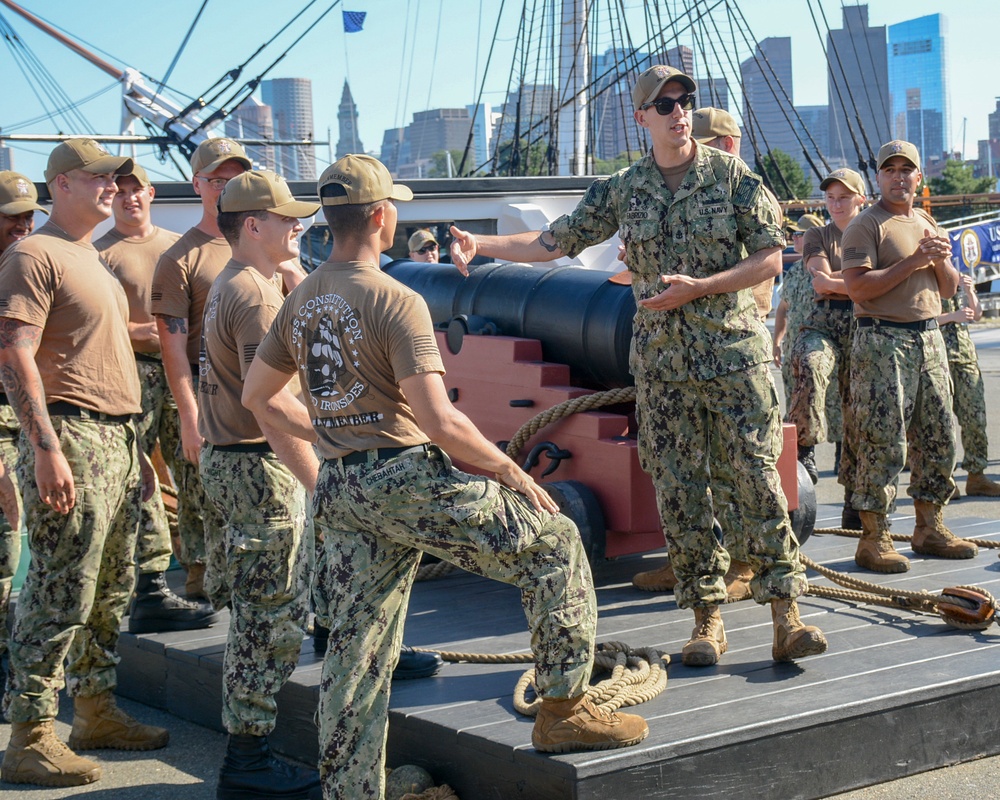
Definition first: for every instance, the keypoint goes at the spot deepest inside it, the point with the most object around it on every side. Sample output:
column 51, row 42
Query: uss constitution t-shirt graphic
column 353, row 333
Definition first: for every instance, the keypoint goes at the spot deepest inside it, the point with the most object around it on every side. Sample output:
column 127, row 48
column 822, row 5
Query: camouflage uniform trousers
column 82, row 570
column 901, row 399
column 375, row 519
column 158, row 422
column 269, row 559
column 970, row 395
column 196, row 515
column 10, row 539
column 677, row 421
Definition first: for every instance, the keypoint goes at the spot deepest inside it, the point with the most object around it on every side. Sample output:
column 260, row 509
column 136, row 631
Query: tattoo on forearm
column 550, row 245
column 32, row 414
column 175, row 324
column 17, row 334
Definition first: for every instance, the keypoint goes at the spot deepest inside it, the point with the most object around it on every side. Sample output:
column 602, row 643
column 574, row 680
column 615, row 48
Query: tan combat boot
column 932, row 538
column 564, row 726
column 194, row 586
column 875, row 550
column 98, row 724
column 661, row 579
column 738, row 581
column 36, row 755
column 978, row 485
column 792, row 639
column 708, row 639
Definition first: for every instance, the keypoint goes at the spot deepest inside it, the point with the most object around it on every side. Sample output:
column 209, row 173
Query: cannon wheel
column 803, row 518
column 580, row 504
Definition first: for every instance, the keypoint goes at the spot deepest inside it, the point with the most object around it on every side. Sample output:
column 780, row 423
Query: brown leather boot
column 875, row 550
column 978, row 485
column 564, row 726
column 36, row 755
column 194, row 586
column 932, row 538
column 792, row 639
column 708, row 639
column 98, row 724
column 738, row 581
column 661, row 579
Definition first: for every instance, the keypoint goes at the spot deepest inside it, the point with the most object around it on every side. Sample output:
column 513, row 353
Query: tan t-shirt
column 353, row 333
column 133, row 261
column 62, row 286
column 878, row 239
column 241, row 306
column 826, row 242
column 183, row 276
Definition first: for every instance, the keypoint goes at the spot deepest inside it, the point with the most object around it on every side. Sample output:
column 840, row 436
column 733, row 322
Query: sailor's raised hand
column 463, row 249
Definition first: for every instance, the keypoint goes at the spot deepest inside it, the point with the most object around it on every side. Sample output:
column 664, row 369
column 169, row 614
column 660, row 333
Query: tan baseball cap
column 805, row 222
column 263, row 190
column 138, row 173
column 420, row 238
column 711, row 123
column 17, row 194
column 649, row 84
column 898, row 147
column 213, row 153
column 851, row 179
column 85, row 154
column 365, row 180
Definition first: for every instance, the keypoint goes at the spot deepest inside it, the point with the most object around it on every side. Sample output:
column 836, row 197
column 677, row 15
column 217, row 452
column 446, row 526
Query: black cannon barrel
column 581, row 318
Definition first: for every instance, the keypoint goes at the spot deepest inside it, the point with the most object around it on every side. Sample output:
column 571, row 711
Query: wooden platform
column 896, row 693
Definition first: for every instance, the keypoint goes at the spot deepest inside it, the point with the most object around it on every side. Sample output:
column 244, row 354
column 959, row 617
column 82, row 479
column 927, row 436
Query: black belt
column 245, row 447
column 147, row 357
column 195, row 370
column 919, row 325
column 382, row 453
column 63, row 409
column 843, row 305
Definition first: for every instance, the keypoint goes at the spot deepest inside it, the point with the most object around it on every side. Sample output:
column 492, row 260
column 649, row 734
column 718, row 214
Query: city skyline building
column 253, row 120
column 291, row 105
column 918, row 84
column 858, row 88
column 348, row 140
column 6, row 157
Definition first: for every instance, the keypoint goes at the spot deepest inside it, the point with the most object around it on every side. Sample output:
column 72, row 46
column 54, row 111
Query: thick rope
column 900, row 537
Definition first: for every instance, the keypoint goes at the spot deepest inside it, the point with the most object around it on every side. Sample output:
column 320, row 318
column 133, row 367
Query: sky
column 411, row 55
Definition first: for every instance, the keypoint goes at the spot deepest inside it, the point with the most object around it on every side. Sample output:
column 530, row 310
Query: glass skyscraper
column 918, row 84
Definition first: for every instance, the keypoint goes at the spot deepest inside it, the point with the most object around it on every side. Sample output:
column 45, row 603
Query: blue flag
column 353, row 20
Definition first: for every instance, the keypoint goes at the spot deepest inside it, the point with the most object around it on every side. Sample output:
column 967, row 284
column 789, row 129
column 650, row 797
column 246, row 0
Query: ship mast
column 574, row 73
column 139, row 100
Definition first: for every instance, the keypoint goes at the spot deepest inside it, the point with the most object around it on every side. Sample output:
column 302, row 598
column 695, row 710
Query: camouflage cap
column 420, row 238
column 652, row 81
column 263, row 190
column 17, row 194
column 898, row 147
column 851, row 179
column 711, row 123
column 213, row 153
column 85, row 154
column 364, row 180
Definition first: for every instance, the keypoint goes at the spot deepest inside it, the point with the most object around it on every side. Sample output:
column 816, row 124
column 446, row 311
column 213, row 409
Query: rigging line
column 871, row 61
column 165, row 153
column 843, row 79
column 538, row 78
column 630, row 126
column 862, row 162
column 409, row 73
column 41, row 118
column 479, row 97
column 396, row 121
column 437, row 41
column 180, row 50
column 754, row 122
column 28, row 62
column 861, row 69
column 251, row 86
column 788, row 100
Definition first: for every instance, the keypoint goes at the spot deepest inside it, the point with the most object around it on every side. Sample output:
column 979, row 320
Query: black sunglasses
column 427, row 248
column 665, row 105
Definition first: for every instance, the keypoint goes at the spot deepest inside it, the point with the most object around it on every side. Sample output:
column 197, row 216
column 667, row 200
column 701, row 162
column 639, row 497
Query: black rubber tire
column 580, row 504
column 803, row 518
